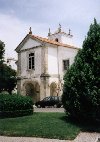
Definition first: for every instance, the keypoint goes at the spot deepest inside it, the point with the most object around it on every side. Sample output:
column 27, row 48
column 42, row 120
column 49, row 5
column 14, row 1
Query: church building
column 42, row 63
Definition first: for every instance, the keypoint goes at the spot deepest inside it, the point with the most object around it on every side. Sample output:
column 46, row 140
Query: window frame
column 31, row 61
column 65, row 68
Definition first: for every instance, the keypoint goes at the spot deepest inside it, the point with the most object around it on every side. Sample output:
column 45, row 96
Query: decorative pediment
column 28, row 43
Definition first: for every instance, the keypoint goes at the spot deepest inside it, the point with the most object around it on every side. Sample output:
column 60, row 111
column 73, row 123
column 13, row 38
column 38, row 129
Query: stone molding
column 45, row 75
column 31, row 48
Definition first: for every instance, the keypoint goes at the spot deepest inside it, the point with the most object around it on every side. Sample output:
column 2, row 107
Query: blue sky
column 16, row 16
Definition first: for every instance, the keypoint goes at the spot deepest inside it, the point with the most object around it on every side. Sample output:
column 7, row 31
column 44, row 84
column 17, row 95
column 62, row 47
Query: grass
column 47, row 125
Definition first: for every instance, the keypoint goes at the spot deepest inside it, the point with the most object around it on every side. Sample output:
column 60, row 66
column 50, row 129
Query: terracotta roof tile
column 46, row 41
column 53, row 42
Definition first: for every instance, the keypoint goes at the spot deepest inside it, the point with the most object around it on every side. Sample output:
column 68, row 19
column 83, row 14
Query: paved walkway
column 49, row 109
column 28, row 139
column 82, row 137
column 87, row 137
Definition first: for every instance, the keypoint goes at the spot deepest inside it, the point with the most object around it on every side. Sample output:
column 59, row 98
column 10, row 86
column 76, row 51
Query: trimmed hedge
column 15, row 105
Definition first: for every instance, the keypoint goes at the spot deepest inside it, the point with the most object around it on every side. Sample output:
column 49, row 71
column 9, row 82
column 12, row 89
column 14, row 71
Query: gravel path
column 82, row 137
column 28, row 139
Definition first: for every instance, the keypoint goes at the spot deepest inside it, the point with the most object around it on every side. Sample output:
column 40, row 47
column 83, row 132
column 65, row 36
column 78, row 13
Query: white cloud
column 12, row 31
column 42, row 14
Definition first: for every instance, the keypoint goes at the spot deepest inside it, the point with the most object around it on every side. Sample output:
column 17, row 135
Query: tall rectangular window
column 31, row 61
column 65, row 64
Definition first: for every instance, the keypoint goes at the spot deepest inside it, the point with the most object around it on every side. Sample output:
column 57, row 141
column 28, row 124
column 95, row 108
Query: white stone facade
column 47, row 76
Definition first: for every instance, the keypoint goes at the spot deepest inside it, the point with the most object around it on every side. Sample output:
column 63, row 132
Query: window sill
column 29, row 70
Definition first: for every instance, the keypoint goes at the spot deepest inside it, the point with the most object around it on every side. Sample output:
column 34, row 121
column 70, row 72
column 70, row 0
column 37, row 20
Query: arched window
column 56, row 39
column 53, row 89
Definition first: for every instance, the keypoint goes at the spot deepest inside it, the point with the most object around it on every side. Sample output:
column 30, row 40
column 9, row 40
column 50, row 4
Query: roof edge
column 45, row 40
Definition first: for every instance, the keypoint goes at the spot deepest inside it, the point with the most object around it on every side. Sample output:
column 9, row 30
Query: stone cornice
column 31, row 48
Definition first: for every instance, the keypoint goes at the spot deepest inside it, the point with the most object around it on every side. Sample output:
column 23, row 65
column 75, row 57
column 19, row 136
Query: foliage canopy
column 7, row 74
column 81, row 95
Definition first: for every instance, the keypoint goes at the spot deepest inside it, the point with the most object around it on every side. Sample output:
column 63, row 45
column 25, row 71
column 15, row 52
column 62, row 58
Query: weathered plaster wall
column 24, row 63
column 30, row 43
column 52, row 60
column 62, row 37
column 48, row 60
column 56, row 55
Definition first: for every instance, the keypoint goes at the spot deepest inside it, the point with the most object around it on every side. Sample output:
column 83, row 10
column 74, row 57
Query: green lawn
column 48, row 125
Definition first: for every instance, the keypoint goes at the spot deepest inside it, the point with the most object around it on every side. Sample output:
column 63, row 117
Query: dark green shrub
column 81, row 95
column 15, row 105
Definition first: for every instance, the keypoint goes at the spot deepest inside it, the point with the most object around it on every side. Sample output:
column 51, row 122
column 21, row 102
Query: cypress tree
column 81, row 95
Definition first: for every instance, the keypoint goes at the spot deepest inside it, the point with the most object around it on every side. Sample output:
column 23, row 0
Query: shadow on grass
column 8, row 117
column 85, row 126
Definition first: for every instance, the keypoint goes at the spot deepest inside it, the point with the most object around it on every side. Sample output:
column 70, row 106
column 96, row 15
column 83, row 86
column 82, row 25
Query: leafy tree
column 1, row 62
column 81, row 95
column 1, row 52
column 7, row 74
column 8, row 79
